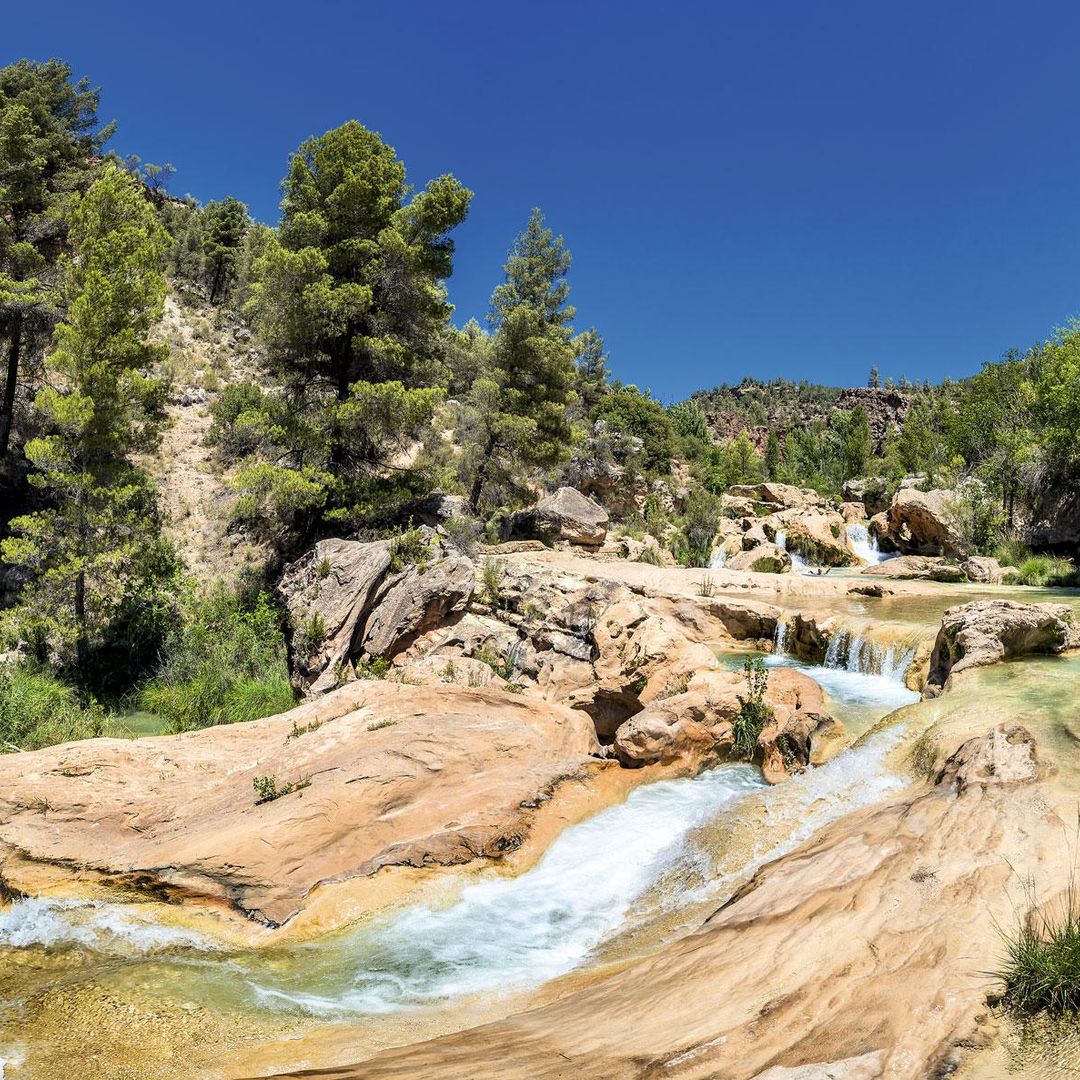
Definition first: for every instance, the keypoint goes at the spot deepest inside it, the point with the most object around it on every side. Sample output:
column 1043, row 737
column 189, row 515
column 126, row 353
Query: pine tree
column 520, row 410
column 49, row 137
column 875, row 379
column 772, row 456
column 858, row 443
column 226, row 222
column 350, row 303
column 94, row 543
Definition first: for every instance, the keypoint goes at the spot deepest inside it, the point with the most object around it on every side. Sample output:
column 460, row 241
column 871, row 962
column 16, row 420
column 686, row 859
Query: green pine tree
column 95, row 543
column 520, row 409
column 350, row 303
column 49, row 139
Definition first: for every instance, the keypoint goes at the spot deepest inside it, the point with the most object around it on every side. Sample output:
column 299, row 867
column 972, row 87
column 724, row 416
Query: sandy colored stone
column 399, row 775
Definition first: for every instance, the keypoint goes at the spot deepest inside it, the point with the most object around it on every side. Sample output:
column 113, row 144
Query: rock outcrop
column 344, row 600
column 566, row 515
column 327, row 594
column 695, row 726
column 923, row 523
column 821, row 538
column 900, row 875
column 385, row 774
column 917, row 568
column 988, row 631
column 763, row 558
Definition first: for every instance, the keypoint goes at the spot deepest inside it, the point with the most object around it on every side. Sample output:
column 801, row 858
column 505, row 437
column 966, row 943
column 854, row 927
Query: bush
column 753, row 713
column 1044, row 570
column 37, row 710
column 223, row 663
column 1041, row 967
column 410, row 548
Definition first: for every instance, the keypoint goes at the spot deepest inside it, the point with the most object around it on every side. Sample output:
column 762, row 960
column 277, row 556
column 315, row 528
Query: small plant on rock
column 268, row 789
column 705, row 586
column 409, row 548
column 491, row 580
column 753, row 713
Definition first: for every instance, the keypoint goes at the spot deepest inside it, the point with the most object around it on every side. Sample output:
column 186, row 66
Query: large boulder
column 420, row 599
column 985, row 570
column 988, row 631
column 871, row 492
column 776, row 496
column 327, row 594
column 763, row 559
column 820, row 537
column 917, row 568
column 565, row 515
column 383, row 774
column 923, row 523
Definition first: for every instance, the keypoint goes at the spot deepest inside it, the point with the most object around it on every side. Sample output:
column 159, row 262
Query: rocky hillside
column 779, row 405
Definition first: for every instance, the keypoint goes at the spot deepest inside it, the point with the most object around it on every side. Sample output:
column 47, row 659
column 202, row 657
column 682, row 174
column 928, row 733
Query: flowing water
column 615, row 886
column 866, row 545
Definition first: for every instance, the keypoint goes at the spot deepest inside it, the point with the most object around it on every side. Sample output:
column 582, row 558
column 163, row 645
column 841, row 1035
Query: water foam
column 522, row 931
column 104, row 927
column 866, row 546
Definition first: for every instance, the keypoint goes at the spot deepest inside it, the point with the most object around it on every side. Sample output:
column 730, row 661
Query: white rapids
column 866, row 545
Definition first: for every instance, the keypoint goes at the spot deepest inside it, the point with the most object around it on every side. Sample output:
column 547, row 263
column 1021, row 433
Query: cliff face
column 759, row 408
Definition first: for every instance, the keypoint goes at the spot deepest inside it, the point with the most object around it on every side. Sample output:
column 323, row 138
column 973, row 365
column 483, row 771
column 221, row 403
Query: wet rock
column 821, row 538
column 764, row 558
column 988, row 631
column 876, row 590
column 1006, row 755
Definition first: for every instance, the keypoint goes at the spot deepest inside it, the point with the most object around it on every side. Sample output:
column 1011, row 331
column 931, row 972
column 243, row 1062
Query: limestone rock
column 922, row 523
column 419, row 600
column 565, row 515
column 852, row 512
column 917, row 568
column 820, row 537
column 870, row 491
column 330, row 587
column 399, row 775
column 1004, row 756
column 765, row 558
column 987, row 631
column 984, row 570
column 778, row 495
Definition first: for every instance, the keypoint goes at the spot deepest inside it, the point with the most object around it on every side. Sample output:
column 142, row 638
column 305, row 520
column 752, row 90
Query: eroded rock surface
column 565, row 515
column 397, row 775
column 987, row 631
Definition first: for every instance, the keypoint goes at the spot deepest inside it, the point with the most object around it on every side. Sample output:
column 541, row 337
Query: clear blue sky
column 767, row 188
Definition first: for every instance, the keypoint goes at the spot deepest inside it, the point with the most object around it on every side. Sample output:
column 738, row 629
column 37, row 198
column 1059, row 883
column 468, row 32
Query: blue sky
column 770, row 188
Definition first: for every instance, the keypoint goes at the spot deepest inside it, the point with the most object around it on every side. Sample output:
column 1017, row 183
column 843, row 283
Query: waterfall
column 866, row 546
column 780, row 637
column 857, row 653
column 718, row 558
column 798, row 563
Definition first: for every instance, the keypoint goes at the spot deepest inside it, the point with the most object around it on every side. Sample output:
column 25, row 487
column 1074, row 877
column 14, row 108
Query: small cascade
column 798, row 563
column 849, row 651
column 866, row 545
column 780, row 638
column 718, row 558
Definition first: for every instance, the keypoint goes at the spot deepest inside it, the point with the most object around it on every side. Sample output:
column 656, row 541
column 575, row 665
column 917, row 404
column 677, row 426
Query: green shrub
column 1044, row 570
column 223, row 663
column 268, row 789
column 37, row 710
column 410, row 548
column 492, row 573
column 753, row 713
column 1041, row 966
column 1011, row 552
column 372, row 667
column 463, row 534
column 651, row 556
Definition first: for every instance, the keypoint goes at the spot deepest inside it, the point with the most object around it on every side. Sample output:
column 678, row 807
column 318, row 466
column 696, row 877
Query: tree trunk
column 481, row 473
column 82, row 644
column 7, row 411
